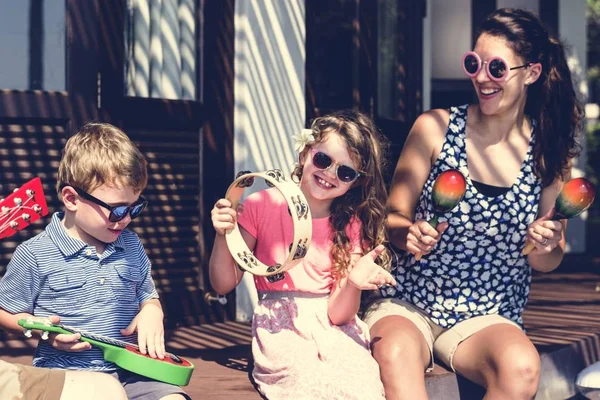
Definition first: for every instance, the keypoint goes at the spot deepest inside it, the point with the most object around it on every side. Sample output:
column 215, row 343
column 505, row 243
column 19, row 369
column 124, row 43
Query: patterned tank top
column 477, row 267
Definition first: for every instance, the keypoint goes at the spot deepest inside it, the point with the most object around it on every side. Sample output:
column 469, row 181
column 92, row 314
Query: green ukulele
column 172, row 369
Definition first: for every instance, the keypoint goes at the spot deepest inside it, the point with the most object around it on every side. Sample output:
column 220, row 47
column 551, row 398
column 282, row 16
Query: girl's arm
column 223, row 271
column 422, row 146
column 344, row 300
column 547, row 257
column 364, row 275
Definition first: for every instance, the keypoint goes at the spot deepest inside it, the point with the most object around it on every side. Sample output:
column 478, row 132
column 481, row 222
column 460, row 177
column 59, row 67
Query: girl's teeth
column 324, row 183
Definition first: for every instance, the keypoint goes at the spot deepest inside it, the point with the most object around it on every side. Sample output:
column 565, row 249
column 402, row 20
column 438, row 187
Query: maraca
column 448, row 190
column 575, row 197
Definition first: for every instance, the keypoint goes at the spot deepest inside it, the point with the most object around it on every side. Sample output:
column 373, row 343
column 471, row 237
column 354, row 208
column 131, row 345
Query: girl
column 307, row 341
column 463, row 300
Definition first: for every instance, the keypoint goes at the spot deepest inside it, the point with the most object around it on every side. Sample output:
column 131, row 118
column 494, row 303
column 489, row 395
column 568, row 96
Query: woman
column 462, row 301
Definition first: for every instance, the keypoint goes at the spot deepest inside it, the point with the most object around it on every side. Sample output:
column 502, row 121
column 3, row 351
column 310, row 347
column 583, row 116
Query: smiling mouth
column 323, row 182
column 488, row 91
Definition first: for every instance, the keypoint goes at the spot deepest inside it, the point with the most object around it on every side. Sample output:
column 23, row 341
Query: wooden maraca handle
column 433, row 221
column 528, row 247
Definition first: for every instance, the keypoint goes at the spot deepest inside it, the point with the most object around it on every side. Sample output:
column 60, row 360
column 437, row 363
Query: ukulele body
column 172, row 369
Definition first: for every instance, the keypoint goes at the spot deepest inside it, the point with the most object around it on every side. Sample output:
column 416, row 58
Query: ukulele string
column 108, row 340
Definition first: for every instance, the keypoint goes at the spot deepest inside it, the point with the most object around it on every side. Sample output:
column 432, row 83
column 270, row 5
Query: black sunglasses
column 117, row 213
column 344, row 173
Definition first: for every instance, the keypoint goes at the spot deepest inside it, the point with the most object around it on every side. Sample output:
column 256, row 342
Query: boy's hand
column 65, row 342
column 149, row 326
column 366, row 275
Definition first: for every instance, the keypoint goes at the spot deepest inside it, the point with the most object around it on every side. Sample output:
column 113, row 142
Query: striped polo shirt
column 56, row 274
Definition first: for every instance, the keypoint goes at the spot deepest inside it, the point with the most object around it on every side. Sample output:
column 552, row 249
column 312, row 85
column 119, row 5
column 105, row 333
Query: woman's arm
column 422, row 146
column 545, row 258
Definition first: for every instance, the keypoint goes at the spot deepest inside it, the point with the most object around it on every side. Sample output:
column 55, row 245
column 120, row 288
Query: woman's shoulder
column 432, row 122
column 429, row 130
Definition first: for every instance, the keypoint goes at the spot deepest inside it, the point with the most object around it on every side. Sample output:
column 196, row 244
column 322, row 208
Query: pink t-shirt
column 265, row 216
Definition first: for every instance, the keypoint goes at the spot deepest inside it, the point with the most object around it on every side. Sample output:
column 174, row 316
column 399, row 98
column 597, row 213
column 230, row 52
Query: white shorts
column 442, row 342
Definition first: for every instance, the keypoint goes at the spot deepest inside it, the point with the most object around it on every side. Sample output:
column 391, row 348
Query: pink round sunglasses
column 497, row 68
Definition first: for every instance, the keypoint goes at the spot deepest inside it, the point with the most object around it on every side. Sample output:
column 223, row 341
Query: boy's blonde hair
column 100, row 154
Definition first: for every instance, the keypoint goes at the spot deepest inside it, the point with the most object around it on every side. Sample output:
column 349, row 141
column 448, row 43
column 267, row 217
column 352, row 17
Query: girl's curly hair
column 366, row 198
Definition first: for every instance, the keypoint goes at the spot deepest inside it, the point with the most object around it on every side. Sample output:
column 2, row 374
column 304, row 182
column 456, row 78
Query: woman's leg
column 403, row 355
column 502, row 359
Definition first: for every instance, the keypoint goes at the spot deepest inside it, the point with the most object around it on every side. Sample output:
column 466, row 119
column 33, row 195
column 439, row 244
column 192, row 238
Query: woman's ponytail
column 552, row 101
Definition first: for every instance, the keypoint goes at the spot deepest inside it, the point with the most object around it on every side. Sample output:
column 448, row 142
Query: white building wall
column 531, row 5
column 427, row 57
column 269, row 96
column 450, row 36
column 573, row 33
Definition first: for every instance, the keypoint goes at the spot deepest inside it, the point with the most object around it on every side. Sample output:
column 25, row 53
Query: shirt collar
column 69, row 245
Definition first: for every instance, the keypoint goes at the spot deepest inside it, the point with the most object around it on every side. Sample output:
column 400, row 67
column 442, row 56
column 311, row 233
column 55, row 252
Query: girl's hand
column 223, row 216
column 366, row 275
column 544, row 233
column 66, row 342
column 422, row 237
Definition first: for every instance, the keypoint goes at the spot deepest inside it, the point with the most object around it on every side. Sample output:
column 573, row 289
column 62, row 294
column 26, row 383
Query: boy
column 86, row 268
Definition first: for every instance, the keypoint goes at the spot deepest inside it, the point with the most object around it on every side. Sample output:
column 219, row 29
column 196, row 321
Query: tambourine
column 299, row 212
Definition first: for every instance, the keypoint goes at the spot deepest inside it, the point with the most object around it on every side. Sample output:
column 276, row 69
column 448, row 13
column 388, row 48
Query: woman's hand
column 544, row 234
column 366, row 275
column 422, row 237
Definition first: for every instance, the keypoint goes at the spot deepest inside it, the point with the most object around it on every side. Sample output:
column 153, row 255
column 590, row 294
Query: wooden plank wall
column 28, row 151
column 170, row 225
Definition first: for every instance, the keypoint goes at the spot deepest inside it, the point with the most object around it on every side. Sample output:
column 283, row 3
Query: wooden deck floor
column 220, row 353
column 564, row 309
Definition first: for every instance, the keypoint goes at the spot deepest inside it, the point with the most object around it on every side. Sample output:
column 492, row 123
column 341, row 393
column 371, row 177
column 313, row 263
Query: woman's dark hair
column 551, row 100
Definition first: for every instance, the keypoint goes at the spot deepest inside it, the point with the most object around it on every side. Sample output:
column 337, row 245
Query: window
column 32, row 45
column 160, row 49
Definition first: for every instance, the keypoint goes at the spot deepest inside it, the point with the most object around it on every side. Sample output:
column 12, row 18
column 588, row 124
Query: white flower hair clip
column 302, row 139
